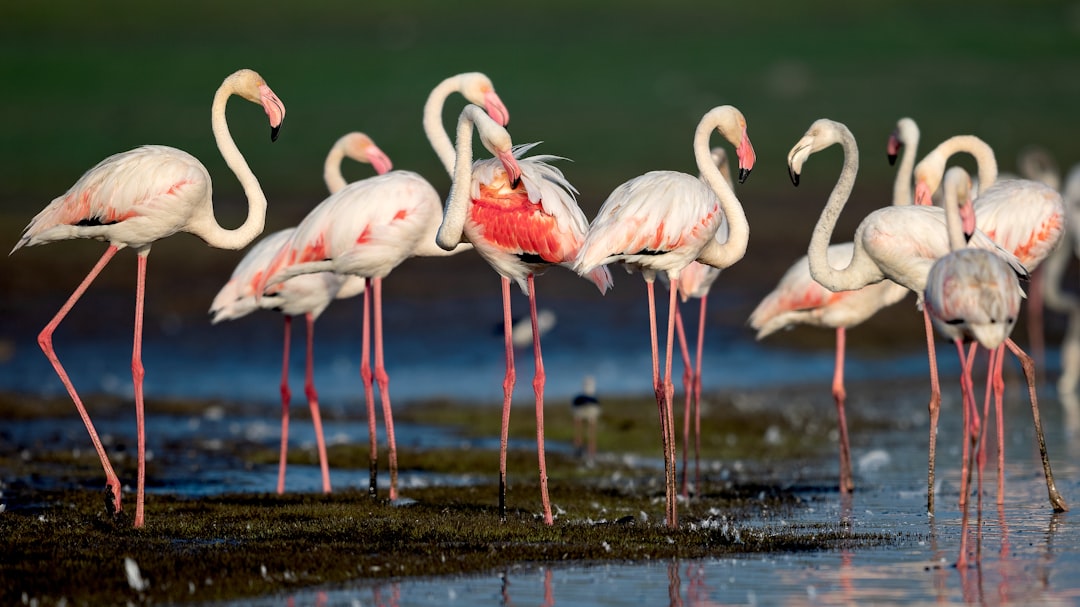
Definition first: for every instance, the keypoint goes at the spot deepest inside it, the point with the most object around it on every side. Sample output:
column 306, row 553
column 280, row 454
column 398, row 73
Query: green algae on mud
column 65, row 548
column 61, row 546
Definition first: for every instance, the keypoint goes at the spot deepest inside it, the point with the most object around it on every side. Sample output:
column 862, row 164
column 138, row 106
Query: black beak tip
column 743, row 174
column 515, row 183
column 794, row 177
column 892, row 159
column 274, row 132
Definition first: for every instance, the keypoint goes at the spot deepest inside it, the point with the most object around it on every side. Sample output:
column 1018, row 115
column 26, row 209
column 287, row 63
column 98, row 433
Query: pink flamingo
column 477, row 89
column 134, row 198
column 798, row 299
column 972, row 294
column 1024, row 217
column 307, row 294
column 898, row 243
column 521, row 215
column 661, row 222
column 366, row 229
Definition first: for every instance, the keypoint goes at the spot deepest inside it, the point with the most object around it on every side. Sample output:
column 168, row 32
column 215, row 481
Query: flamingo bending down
column 477, row 90
column 661, row 222
column 898, row 243
column 798, row 299
column 1025, row 217
column 306, row 295
column 134, row 198
column 521, row 215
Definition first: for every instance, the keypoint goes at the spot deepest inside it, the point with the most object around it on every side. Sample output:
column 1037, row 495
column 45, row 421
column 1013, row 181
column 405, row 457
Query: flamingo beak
column 922, row 194
column 274, row 108
column 513, row 169
column 378, row 159
column 746, row 155
column 893, row 147
column 496, row 109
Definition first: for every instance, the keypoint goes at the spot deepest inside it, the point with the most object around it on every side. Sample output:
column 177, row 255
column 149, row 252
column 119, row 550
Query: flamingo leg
column 508, row 392
column 313, row 402
column 538, row 388
column 697, row 395
column 658, row 386
column 970, row 414
column 847, row 482
column 1035, row 330
column 688, row 378
column 1056, row 501
column 383, row 380
column 999, row 394
column 137, row 374
column 934, row 407
column 669, row 396
column 369, row 391
column 113, row 503
column 286, row 398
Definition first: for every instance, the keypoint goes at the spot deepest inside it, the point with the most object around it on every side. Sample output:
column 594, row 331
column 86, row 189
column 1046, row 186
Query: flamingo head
column 821, row 134
column 958, row 182
column 479, row 90
column 251, row 86
column 893, row 147
column 513, row 169
column 361, row 148
column 745, row 153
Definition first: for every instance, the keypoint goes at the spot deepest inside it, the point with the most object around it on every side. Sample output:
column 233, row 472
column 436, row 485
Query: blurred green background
column 616, row 86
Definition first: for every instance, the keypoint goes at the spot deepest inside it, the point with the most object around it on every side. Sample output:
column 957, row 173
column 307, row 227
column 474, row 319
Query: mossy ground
column 61, row 545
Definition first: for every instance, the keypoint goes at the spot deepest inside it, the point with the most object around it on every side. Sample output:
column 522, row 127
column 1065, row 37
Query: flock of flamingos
column 962, row 259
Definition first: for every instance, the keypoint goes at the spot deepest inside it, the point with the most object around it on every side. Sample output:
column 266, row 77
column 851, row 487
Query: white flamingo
column 135, row 198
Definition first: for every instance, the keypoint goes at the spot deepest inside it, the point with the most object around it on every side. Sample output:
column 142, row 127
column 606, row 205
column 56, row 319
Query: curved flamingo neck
column 433, row 122
column 457, row 203
column 332, row 175
column 716, row 254
column 206, row 226
column 985, row 160
column 862, row 270
column 902, row 187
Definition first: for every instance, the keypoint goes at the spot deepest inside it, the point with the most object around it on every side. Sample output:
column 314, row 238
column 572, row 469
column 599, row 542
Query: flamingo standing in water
column 306, row 295
column 1025, row 217
column 798, row 299
column 134, row 198
column 898, row 243
column 521, row 215
column 661, row 222
column 971, row 295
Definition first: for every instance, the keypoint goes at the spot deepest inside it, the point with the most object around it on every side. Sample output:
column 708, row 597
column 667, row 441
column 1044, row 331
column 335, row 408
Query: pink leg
column 508, row 393
column 1056, row 501
column 313, row 403
column 999, row 393
column 697, row 395
column 935, row 409
column 847, row 482
column 1035, row 329
column 369, row 391
column 45, row 341
column 383, row 380
column 688, row 389
column 286, row 398
column 669, row 396
column 970, row 414
column 658, row 386
column 538, row 388
column 137, row 374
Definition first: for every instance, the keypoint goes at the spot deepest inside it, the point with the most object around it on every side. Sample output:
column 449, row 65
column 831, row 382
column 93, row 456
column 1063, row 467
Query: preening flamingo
column 134, row 198
column 307, row 295
column 477, row 90
column 366, row 230
column 521, row 215
column 799, row 300
column 898, row 243
column 661, row 222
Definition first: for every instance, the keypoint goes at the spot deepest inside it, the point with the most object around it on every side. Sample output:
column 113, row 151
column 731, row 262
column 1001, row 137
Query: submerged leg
column 847, row 482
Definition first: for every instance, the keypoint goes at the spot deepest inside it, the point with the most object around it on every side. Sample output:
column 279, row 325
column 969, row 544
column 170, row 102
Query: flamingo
column 662, row 221
column 521, row 215
column 798, row 299
column 306, row 295
column 366, row 229
column 695, row 281
column 1024, row 217
column 477, row 90
column 134, row 198
column 898, row 243
column 1066, row 302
